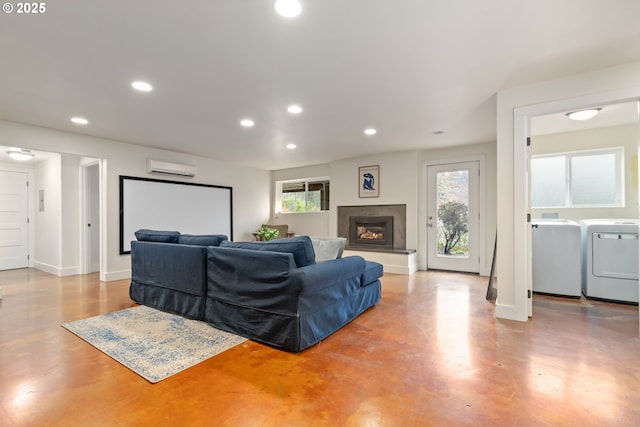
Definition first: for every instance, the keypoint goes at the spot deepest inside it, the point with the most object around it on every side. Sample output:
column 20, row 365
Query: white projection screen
column 174, row 206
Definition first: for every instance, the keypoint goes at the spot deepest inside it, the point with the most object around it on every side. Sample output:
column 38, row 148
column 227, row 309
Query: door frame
column 470, row 263
column 30, row 204
column 522, row 269
column 423, row 201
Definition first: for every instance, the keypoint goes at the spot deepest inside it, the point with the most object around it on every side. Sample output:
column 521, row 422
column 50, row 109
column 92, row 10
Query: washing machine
column 610, row 259
column 557, row 257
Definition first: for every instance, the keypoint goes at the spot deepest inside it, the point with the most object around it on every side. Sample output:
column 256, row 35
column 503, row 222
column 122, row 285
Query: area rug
column 152, row 343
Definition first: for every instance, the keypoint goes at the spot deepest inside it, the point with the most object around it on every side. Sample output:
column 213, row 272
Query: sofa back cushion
column 300, row 247
column 202, row 240
column 144, row 235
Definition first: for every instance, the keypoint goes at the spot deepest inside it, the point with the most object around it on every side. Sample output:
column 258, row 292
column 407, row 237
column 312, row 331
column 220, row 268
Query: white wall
column 616, row 136
column 397, row 184
column 515, row 108
column 400, row 182
column 47, row 254
column 251, row 187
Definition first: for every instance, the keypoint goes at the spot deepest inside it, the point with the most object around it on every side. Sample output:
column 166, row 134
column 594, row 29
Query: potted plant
column 266, row 233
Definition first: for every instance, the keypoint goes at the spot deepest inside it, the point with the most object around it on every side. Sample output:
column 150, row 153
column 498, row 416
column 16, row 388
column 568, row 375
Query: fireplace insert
column 373, row 232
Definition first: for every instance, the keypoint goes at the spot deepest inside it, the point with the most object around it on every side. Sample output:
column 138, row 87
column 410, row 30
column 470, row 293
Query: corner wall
column 251, row 188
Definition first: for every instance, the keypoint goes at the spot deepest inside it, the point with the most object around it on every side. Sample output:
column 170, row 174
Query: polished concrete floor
column 430, row 353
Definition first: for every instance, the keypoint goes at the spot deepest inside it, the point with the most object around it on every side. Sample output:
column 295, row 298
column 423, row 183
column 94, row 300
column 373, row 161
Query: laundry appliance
column 610, row 259
column 557, row 257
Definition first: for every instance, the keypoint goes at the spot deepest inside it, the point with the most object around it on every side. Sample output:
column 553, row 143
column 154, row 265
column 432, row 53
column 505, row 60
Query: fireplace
column 373, row 232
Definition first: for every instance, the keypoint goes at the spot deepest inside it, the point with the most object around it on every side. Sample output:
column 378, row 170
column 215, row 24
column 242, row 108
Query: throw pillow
column 300, row 246
column 328, row 248
column 145, row 235
column 202, row 240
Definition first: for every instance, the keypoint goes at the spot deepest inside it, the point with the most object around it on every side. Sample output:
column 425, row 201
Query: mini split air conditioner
column 166, row 168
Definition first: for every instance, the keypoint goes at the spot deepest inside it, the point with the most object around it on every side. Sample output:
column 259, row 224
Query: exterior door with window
column 453, row 217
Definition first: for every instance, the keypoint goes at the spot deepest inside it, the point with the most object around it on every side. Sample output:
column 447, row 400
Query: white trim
column 392, row 263
column 57, row 271
column 114, row 275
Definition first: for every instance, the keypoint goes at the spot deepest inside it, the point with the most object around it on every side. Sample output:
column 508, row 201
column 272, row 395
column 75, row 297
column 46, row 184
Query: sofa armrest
column 315, row 277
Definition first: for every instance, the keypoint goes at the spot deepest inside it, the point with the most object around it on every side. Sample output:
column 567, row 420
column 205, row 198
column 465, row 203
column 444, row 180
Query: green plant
column 267, row 233
column 454, row 217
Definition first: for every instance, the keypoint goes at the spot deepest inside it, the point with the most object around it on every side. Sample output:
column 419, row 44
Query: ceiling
column 410, row 69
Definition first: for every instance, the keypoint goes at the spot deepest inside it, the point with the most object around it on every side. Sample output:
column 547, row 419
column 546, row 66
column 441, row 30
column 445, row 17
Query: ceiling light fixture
column 370, row 131
column 142, row 86
column 288, row 8
column 583, row 114
column 79, row 120
column 291, row 146
column 294, row 109
column 247, row 123
column 20, row 154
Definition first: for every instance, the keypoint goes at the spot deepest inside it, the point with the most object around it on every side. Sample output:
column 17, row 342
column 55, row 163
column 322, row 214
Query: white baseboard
column 56, row 271
column 392, row 262
column 110, row 276
column 504, row 311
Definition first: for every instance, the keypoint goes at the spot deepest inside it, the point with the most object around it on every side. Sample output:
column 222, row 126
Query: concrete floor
column 430, row 353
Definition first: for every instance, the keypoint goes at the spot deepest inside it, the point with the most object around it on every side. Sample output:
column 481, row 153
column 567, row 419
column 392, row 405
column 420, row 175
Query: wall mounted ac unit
column 167, row 168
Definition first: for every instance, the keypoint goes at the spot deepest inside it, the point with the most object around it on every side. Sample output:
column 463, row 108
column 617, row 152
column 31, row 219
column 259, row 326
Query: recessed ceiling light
column 141, row 86
column 294, row 109
column 291, row 146
column 247, row 123
column 370, row 131
column 288, row 8
column 20, row 154
column 79, row 120
column 583, row 114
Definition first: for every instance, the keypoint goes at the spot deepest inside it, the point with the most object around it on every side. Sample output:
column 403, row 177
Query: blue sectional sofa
column 273, row 292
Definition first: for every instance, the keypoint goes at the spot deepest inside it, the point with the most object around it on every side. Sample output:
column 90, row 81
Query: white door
column 453, row 217
column 91, row 218
column 14, row 226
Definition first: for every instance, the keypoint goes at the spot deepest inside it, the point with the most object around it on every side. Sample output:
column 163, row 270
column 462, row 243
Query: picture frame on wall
column 369, row 181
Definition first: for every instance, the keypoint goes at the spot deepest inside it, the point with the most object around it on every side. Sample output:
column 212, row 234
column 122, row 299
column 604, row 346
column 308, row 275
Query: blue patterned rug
column 152, row 343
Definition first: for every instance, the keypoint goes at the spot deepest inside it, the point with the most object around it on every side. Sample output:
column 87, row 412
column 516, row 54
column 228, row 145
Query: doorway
column 453, row 217
column 14, row 220
column 581, row 170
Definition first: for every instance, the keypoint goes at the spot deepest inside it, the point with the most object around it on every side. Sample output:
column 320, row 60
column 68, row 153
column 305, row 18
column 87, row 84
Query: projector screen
column 173, row 206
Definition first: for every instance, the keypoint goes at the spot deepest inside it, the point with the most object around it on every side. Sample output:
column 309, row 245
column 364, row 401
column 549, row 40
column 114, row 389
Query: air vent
column 167, row 168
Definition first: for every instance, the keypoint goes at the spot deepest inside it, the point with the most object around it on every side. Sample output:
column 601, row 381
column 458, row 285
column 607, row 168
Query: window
column 308, row 195
column 578, row 179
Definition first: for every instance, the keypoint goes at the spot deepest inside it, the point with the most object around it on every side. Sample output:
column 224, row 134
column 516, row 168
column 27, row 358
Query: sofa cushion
column 202, row 240
column 300, row 247
column 328, row 248
column 162, row 236
column 372, row 272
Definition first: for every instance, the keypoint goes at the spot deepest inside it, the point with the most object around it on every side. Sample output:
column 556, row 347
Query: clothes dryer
column 610, row 259
column 557, row 259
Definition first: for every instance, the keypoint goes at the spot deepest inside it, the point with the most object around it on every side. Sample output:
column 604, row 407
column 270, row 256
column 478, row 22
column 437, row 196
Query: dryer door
column 615, row 255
